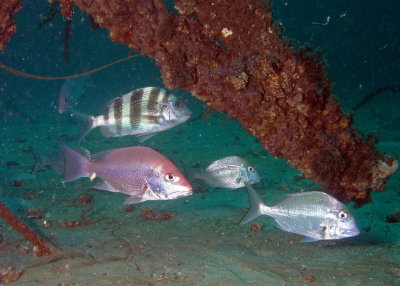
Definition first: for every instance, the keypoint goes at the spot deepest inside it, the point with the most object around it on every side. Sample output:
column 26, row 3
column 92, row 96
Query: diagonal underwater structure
column 232, row 56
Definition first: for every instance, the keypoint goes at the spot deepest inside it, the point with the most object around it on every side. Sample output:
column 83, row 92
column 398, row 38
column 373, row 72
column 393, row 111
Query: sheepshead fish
column 230, row 172
column 316, row 215
column 143, row 113
column 70, row 92
column 140, row 172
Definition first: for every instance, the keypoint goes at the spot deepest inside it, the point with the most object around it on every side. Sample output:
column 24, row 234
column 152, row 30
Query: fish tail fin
column 39, row 160
column 86, row 123
column 189, row 174
column 75, row 164
column 256, row 206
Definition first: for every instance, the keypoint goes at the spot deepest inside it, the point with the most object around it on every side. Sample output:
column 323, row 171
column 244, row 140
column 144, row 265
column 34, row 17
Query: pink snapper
column 140, row 172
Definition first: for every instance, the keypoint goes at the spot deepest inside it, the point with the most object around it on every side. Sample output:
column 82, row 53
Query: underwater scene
column 151, row 142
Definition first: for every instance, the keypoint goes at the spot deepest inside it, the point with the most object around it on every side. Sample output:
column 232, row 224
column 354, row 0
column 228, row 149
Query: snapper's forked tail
column 75, row 164
column 85, row 122
column 256, row 205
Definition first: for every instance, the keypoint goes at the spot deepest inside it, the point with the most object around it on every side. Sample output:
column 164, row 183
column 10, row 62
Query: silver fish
column 143, row 113
column 230, row 172
column 316, row 215
column 140, row 172
column 70, row 92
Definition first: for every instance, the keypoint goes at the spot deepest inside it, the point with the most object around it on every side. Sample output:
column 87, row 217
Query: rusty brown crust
column 230, row 55
column 7, row 25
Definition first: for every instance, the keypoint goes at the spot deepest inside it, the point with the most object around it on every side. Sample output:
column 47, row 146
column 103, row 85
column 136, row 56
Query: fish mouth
column 182, row 195
column 351, row 232
column 183, row 191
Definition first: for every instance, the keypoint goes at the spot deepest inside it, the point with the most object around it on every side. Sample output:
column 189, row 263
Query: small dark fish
column 316, row 215
column 70, row 92
column 143, row 113
column 140, row 172
column 230, row 172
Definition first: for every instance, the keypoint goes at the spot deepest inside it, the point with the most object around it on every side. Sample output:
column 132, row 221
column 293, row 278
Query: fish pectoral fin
column 309, row 239
column 135, row 199
column 104, row 186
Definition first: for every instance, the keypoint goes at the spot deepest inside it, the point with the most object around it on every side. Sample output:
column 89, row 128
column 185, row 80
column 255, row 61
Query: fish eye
column 178, row 105
column 169, row 177
column 342, row 215
column 250, row 169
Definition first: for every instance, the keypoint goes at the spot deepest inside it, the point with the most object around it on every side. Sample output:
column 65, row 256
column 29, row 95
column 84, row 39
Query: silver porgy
column 143, row 113
column 230, row 172
column 140, row 172
column 70, row 92
column 316, row 215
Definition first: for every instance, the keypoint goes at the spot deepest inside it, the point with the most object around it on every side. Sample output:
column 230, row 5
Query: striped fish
column 142, row 112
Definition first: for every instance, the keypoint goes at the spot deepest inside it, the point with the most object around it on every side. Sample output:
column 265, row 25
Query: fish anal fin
column 107, row 132
column 144, row 137
column 104, row 186
column 282, row 226
column 309, row 239
column 135, row 199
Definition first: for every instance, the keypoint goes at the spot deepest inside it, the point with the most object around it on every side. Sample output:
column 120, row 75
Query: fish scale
column 140, row 172
column 316, row 215
column 230, row 172
column 142, row 112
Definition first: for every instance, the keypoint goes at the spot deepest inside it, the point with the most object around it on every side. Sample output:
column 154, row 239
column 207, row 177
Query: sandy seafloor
column 202, row 244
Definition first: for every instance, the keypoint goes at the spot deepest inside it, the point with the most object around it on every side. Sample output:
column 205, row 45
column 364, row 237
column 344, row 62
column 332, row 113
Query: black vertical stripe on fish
column 165, row 97
column 106, row 115
column 134, row 109
column 118, row 115
column 152, row 104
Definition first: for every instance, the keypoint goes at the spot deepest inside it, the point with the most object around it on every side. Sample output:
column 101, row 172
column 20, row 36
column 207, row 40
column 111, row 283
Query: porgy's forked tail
column 85, row 122
column 256, row 205
column 39, row 160
column 190, row 175
column 75, row 164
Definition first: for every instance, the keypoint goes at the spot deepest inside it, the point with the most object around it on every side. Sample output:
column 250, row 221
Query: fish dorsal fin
column 110, row 103
column 102, row 154
column 218, row 165
column 255, row 206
